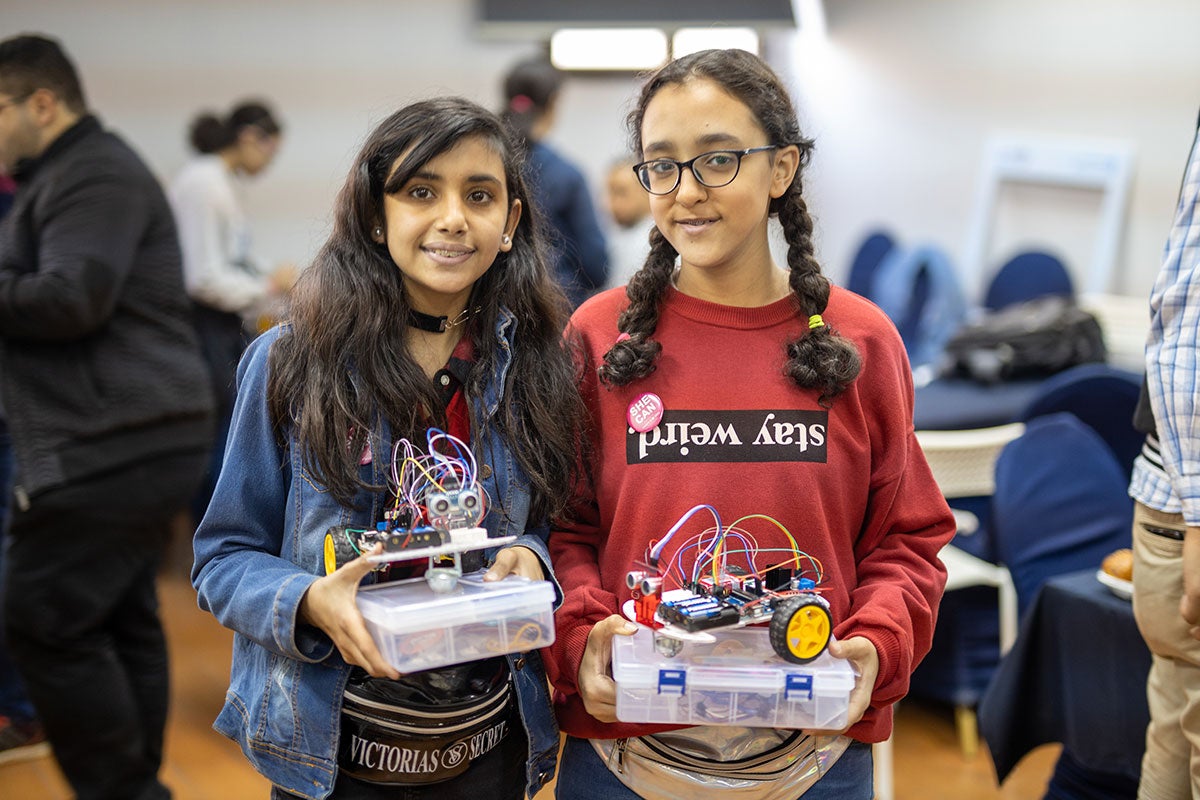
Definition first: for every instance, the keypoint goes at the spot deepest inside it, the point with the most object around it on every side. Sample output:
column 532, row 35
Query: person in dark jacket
column 21, row 734
column 111, row 416
column 580, row 257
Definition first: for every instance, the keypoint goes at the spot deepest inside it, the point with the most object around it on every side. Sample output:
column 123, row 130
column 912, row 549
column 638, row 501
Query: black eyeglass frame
column 680, row 166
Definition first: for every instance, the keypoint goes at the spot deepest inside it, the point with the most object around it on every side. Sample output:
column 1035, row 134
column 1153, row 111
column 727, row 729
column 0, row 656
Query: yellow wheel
column 339, row 548
column 330, row 553
column 801, row 628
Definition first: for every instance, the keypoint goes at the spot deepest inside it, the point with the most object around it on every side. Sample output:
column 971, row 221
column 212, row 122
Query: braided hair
column 816, row 359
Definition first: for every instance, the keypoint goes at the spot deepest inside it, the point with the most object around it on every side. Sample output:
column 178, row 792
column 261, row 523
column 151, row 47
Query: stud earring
column 378, row 232
column 506, row 239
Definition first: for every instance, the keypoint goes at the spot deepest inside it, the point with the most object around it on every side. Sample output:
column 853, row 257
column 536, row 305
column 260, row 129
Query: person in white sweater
column 229, row 290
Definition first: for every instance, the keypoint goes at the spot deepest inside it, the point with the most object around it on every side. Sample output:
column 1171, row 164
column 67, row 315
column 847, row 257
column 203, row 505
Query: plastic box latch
column 798, row 687
column 672, row 681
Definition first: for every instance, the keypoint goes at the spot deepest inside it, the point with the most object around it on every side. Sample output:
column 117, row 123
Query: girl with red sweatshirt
column 779, row 394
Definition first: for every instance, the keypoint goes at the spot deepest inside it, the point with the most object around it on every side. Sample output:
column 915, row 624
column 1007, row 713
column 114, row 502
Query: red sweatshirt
column 850, row 483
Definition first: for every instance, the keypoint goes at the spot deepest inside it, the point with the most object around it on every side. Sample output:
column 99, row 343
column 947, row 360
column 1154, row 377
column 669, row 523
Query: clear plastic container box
column 736, row 680
column 416, row 628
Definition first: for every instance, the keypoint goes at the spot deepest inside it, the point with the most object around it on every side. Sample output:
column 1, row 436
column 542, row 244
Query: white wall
column 331, row 69
column 901, row 96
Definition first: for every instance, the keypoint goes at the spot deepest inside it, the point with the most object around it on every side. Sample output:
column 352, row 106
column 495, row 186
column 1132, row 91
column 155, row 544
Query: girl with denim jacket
column 429, row 305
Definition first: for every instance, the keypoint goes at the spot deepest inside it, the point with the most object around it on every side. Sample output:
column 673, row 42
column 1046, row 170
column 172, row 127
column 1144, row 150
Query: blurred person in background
column 111, row 420
column 629, row 209
column 580, row 260
column 231, row 292
column 21, row 734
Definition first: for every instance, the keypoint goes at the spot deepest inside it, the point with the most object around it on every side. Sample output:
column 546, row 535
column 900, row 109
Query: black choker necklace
column 428, row 322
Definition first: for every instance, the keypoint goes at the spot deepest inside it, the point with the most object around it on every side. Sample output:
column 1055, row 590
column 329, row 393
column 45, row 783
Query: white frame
column 1104, row 167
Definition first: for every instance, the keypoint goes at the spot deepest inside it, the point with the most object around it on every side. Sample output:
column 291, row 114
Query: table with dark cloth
column 950, row 404
column 1076, row 675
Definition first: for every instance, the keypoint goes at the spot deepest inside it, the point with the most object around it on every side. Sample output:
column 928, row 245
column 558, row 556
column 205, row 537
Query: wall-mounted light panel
column 539, row 18
column 631, row 35
column 608, row 49
column 693, row 40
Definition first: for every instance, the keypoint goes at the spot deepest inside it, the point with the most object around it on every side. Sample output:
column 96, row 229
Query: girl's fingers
column 519, row 560
column 358, row 648
column 596, row 687
column 604, row 713
column 860, row 652
column 504, row 565
column 607, row 628
column 372, row 660
column 357, row 569
column 599, row 694
column 346, row 626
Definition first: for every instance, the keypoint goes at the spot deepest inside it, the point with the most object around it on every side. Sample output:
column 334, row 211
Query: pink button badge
column 645, row 413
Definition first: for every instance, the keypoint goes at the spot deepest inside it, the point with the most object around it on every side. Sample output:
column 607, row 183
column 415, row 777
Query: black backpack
column 1024, row 340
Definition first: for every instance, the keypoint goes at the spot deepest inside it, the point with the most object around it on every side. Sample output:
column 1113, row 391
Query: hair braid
column 633, row 358
column 819, row 358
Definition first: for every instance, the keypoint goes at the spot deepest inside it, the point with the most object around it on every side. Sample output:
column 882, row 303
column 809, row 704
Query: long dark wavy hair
column 816, row 359
column 344, row 359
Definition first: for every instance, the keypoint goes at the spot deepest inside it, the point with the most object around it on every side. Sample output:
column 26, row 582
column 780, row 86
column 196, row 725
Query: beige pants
column 1171, row 766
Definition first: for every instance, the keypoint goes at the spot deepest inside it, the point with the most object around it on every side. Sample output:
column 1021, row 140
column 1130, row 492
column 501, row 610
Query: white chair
column 884, row 782
column 963, row 463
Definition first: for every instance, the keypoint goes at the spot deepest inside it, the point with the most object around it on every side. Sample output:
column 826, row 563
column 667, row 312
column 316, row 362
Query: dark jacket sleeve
column 589, row 240
column 89, row 230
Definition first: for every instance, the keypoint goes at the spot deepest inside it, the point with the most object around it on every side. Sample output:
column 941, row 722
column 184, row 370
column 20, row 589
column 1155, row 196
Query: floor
column 201, row 765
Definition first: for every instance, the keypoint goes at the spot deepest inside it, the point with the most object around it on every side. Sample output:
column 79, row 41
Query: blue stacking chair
column 1060, row 503
column 871, row 253
column 918, row 288
column 1026, row 276
column 1102, row 397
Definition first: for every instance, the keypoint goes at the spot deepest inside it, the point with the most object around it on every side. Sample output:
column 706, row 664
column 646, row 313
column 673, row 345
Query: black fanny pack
column 383, row 743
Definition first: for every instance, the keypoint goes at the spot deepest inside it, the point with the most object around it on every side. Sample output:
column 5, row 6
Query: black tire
column 801, row 628
column 340, row 548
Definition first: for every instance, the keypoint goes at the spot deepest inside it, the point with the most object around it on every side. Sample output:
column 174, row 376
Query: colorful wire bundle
column 712, row 551
column 414, row 473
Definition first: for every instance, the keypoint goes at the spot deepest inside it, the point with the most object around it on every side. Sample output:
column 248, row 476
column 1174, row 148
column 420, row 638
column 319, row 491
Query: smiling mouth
column 695, row 224
column 448, row 252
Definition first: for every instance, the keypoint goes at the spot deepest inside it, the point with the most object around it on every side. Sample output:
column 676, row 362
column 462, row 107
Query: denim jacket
column 260, row 547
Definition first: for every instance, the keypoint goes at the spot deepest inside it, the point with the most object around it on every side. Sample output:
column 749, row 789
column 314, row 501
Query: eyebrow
column 704, row 141
column 482, row 177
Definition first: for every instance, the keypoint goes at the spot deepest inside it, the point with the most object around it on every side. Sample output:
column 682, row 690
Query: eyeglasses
column 714, row 169
column 16, row 101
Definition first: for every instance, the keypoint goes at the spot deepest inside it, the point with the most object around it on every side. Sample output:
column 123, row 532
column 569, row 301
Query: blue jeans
column 14, row 702
column 583, row 776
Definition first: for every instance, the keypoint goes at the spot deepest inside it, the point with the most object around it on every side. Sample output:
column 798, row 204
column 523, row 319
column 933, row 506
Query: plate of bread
column 1116, row 572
